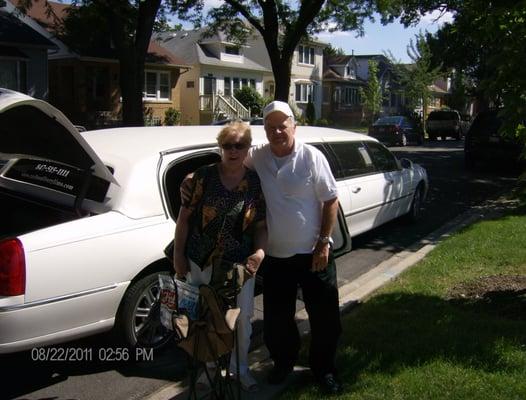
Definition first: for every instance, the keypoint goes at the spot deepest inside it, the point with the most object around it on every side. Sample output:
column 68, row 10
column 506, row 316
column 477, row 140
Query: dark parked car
column 446, row 123
column 396, row 129
column 251, row 121
column 485, row 144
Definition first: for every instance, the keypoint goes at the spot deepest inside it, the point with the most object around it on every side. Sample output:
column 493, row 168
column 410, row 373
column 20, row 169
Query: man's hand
column 320, row 257
column 254, row 261
column 186, row 188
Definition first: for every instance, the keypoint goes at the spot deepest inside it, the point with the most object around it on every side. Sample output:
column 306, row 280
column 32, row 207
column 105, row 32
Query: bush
column 310, row 113
column 172, row 116
column 322, row 122
column 250, row 98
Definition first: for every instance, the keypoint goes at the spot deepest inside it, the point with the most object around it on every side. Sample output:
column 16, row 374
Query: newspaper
column 187, row 299
column 168, row 299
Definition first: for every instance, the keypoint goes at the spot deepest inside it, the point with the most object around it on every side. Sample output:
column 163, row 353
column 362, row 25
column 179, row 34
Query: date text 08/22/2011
column 82, row 354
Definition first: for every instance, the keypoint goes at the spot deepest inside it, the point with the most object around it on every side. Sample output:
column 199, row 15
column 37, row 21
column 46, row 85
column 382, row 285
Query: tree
column 485, row 42
column 414, row 79
column 129, row 27
column 283, row 24
column 332, row 51
column 250, row 98
column 372, row 94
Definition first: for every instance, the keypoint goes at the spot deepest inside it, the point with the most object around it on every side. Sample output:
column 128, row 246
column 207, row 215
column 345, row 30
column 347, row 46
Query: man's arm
column 320, row 256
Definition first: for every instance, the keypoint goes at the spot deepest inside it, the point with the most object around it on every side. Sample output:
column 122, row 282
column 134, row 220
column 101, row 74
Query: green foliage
column 333, row 51
column 322, row 122
column 415, row 79
column 250, row 98
column 310, row 113
column 485, row 43
column 371, row 95
column 172, row 116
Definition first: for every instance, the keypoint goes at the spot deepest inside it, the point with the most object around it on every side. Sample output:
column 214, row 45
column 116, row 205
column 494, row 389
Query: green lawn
column 451, row 327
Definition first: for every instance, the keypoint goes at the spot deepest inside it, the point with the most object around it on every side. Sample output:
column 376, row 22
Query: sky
column 379, row 38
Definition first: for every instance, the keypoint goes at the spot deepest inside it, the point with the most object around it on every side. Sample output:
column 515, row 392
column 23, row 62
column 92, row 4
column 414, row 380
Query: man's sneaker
column 278, row 374
column 330, row 384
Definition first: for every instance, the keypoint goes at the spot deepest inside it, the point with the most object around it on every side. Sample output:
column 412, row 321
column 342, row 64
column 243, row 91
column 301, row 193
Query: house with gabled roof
column 341, row 90
column 219, row 67
column 85, row 84
column 23, row 53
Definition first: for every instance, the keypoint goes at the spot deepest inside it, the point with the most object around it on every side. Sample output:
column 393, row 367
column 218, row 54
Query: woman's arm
column 260, row 245
column 182, row 228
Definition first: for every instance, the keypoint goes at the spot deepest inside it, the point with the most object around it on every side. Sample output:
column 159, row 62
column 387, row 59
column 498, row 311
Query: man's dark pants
column 281, row 277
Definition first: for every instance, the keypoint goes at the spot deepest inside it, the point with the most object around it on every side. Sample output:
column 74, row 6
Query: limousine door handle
column 356, row 189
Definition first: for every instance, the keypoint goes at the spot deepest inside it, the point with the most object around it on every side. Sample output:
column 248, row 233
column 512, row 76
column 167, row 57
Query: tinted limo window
column 352, row 159
column 383, row 159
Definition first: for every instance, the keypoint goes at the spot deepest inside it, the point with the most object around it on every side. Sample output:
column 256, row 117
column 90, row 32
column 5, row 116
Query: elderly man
column 302, row 206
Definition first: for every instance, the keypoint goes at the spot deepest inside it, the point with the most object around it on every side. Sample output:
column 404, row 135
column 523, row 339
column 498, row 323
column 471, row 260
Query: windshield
column 388, row 121
column 442, row 115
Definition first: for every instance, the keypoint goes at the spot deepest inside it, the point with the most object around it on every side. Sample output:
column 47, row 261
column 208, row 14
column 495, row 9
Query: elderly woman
column 224, row 221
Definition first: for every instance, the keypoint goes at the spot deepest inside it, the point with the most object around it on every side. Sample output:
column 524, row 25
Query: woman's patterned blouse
column 222, row 222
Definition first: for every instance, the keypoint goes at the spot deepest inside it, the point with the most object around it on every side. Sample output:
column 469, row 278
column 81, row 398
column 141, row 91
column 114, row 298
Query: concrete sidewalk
column 351, row 294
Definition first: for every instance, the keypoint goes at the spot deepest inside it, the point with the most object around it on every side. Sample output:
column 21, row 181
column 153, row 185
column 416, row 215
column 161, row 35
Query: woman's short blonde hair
column 236, row 127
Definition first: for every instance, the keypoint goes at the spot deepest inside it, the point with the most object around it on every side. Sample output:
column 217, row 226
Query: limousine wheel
column 138, row 322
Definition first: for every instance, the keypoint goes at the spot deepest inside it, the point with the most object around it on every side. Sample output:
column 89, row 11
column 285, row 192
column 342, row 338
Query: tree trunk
column 132, row 86
column 281, row 71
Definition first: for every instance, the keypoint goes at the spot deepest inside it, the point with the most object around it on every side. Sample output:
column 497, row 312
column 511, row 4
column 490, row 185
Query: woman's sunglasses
column 230, row 146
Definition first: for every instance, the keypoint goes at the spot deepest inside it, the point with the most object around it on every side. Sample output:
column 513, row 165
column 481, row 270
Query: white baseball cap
column 280, row 106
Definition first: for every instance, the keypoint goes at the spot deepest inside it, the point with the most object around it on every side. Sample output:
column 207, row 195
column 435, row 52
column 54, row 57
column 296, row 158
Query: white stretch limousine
column 85, row 216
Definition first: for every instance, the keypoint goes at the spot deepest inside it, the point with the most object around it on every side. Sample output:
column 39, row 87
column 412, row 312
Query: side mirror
column 406, row 163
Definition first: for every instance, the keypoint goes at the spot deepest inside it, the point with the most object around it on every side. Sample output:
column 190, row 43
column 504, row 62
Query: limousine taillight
column 12, row 268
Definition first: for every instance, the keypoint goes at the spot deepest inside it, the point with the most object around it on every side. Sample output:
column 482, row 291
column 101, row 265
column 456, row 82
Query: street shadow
column 394, row 331
column 96, row 354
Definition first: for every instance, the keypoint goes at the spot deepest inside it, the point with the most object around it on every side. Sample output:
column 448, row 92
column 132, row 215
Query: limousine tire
column 415, row 211
column 138, row 321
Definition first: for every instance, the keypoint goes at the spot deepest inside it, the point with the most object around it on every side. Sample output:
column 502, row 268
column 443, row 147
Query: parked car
column 395, row 130
column 446, row 123
column 86, row 216
column 251, row 121
column 485, row 145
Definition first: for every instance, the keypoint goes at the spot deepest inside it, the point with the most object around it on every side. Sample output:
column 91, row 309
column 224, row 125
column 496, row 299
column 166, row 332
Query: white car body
column 94, row 271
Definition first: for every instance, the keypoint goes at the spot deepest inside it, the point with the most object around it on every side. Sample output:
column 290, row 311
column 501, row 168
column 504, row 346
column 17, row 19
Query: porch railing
column 223, row 106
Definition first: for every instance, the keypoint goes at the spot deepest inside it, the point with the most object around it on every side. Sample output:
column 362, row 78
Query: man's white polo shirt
column 295, row 186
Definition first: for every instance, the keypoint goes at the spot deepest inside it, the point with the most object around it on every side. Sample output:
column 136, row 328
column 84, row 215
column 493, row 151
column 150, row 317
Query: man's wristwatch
column 324, row 239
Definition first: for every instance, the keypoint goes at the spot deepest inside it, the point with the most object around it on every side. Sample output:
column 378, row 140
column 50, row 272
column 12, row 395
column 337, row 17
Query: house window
column 326, row 93
column 228, row 87
column 304, row 92
column 351, row 96
column 349, row 72
column 306, row 55
column 253, row 83
column 234, row 50
column 236, row 84
column 13, row 75
column 157, row 85
column 190, row 84
column 244, row 82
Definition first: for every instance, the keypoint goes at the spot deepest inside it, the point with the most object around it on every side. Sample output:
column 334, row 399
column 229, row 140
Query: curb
column 351, row 295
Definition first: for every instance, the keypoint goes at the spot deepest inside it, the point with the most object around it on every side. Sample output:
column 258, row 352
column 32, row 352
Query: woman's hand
column 181, row 266
column 254, row 261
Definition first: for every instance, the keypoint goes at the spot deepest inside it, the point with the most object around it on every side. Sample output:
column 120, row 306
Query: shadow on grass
column 397, row 330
